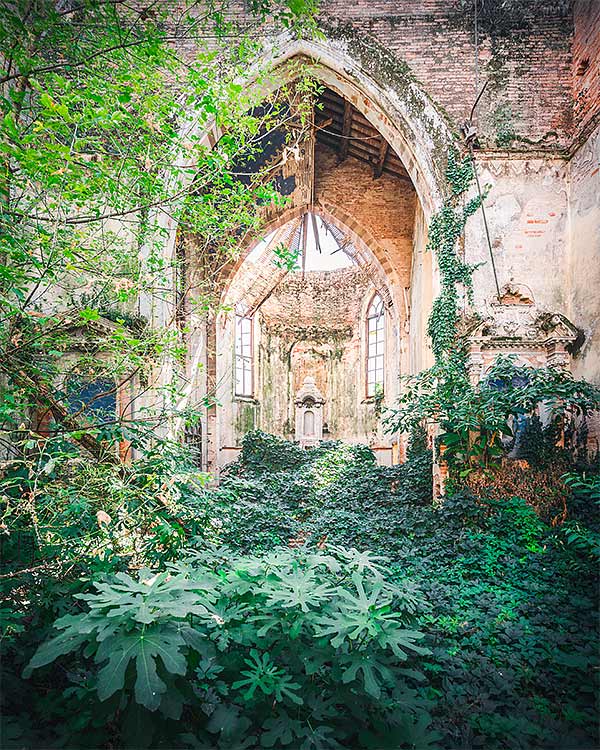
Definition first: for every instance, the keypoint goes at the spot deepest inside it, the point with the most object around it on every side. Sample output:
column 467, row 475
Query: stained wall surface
column 538, row 158
column 583, row 266
column 316, row 328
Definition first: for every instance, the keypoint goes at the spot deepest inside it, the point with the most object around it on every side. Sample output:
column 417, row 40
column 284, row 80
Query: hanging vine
column 474, row 418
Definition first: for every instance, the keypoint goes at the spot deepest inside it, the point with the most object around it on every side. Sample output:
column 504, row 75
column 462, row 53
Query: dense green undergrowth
column 397, row 623
column 511, row 618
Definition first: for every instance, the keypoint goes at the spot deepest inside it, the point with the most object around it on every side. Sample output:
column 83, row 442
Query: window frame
column 245, row 358
column 380, row 338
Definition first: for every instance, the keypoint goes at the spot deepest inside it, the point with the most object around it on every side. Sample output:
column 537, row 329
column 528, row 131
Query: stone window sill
column 371, row 400
column 246, row 400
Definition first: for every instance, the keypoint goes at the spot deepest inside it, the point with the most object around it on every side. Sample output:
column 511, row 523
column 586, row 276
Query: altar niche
column 309, row 414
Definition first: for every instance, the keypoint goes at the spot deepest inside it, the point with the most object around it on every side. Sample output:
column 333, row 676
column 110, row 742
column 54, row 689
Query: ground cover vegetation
column 311, row 588
column 313, row 599
column 507, row 597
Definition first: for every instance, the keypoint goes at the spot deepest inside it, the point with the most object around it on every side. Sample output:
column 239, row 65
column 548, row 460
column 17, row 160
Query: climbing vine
column 445, row 229
column 476, row 419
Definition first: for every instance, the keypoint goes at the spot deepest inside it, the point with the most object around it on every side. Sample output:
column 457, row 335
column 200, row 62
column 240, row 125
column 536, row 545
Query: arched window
column 375, row 346
column 243, row 356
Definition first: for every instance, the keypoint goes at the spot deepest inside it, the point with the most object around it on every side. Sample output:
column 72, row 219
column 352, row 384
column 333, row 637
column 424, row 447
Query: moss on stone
column 245, row 418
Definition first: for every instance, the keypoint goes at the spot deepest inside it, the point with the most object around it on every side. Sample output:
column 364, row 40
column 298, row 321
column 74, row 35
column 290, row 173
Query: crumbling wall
column 582, row 280
column 586, row 67
column 315, row 326
column 527, row 211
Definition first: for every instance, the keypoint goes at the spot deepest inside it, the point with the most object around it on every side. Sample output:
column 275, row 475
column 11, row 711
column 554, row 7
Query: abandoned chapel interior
column 325, row 308
column 314, row 350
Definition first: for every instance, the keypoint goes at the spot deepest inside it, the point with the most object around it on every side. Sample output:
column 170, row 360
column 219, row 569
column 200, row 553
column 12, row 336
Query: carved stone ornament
column 309, row 414
column 536, row 337
column 514, row 294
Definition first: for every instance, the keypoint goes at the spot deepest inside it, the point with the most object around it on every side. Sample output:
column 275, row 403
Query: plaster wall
column 419, row 355
column 582, row 278
column 527, row 212
column 317, row 328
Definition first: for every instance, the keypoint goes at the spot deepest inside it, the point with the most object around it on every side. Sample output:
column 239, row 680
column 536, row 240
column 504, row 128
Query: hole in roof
column 325, row 245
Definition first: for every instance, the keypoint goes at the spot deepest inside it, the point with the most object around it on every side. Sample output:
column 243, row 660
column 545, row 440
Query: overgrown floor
column 511, row 602
column 397, row 625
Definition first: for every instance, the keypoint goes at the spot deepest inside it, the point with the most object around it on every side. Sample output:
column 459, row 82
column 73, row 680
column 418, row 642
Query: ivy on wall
column 476, row 419
column 444, row 231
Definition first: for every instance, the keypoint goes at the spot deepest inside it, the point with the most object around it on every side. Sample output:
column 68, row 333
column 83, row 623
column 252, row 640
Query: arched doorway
column 379, row 86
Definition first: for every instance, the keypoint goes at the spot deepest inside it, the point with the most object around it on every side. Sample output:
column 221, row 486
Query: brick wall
column 524, row 50
column 384, row 207
column 586, row 66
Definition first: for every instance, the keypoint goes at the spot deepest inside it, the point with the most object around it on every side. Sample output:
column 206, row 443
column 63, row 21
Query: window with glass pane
column 243, row 356
column 375, row 346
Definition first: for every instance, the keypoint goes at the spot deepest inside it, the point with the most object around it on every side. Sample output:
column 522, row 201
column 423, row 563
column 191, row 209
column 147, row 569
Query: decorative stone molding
column 514, row 294
column 538, row 338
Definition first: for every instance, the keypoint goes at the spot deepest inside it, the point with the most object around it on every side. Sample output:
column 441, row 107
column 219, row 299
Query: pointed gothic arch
column 386, row 94
column 363, row 248
column 375, row 82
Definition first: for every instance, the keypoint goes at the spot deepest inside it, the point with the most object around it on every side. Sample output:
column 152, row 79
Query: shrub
column 262, row 452
column 301, row 649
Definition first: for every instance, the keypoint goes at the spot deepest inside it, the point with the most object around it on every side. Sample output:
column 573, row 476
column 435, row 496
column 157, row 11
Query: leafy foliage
column 512, row 622
column 289, row 644
column 276, row 491
column 93, row 164
column 444, row 230
column 505, row 602
column 476, row 417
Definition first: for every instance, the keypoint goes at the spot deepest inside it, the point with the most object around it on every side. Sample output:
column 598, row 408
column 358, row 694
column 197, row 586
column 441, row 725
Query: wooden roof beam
column 383, row 149
column 346, row 128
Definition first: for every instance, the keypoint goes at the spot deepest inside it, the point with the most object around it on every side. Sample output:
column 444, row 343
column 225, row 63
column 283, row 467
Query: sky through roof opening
column 323, row 246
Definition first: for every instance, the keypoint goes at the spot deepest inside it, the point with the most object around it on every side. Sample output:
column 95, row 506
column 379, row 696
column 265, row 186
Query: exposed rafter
column 323, row 123
column 381, row 156
column 346, row 130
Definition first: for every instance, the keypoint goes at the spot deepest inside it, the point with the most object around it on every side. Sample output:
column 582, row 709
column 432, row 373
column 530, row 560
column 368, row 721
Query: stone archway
column 289, row 347
column 383, row 90
column 377, row 84
column 366, row 250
